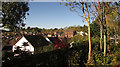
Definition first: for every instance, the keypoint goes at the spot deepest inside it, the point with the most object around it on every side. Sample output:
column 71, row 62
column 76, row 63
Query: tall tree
column 105, row 31
column 112, row 18
column 88, row 21
column 13, row 14
column 102, row 9
column 98, row 13
column 82, row 8
column 95, row 29
column 107, row 8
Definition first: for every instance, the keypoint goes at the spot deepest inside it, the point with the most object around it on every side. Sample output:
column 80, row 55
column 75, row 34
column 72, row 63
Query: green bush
column 78, row 39
column 98, row 58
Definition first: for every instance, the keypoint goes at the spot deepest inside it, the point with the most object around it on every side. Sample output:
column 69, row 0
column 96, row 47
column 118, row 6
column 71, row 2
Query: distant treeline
column 75, row 28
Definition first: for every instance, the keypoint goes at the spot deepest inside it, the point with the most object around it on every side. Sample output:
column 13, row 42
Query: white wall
column 26, row 48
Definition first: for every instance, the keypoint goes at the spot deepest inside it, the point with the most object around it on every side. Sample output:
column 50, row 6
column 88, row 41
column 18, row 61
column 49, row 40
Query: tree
column 113, row 20
column 102, row 9
column 59, row 44
column 88, row 21
column 84, row 8
column 107, row 9
column 105, row 31
column 102, row 18
column 0, row 11
column 95, row 29
column 98, row 13
column 14, row 14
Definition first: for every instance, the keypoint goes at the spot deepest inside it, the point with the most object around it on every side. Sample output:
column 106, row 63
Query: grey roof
column 7, row 48
column 37, row 40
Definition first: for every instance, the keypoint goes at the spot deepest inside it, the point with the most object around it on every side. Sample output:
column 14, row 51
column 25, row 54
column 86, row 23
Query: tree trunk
column 100, row 18
column 115, row 36
column 108, row 37
column 105, row 31
column 115, row 39
column 89, row 36
column 105, row 45
column 101, row 31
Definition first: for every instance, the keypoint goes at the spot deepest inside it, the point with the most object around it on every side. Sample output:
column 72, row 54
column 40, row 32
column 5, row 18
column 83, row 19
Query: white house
column 27, row 47
column 82, row 33
column 31, row 43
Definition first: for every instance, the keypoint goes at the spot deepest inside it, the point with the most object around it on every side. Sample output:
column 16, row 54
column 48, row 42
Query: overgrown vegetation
column 103, row 51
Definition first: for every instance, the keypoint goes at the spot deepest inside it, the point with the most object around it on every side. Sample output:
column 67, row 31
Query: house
column 58, row 43
column 49, row 35
column 55, row 33
column 69, row 33
column 58, row 34
column 32, row 43
column 7, row 43
column 24, row 45
column 82, row 33
column 7, row 48
column 112, row 39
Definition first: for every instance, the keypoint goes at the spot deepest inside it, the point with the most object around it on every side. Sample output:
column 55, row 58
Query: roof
column 7, row 48
column 56, row 40
column 52, row 39
column 37, row 40
column 9, row 42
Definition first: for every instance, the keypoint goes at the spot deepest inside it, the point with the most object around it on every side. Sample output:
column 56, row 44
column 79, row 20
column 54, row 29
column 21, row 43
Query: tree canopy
column 13, row 14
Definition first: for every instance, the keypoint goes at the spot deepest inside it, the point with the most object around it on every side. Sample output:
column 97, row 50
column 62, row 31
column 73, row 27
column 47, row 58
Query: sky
column 51, row 15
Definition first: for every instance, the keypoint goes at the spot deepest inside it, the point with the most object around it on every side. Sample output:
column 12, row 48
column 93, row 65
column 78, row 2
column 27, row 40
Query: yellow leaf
column 60, row 3
column 69, row 4
column 66, row 4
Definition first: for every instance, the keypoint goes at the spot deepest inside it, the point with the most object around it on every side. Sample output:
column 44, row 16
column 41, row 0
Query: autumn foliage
column 59, row 44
